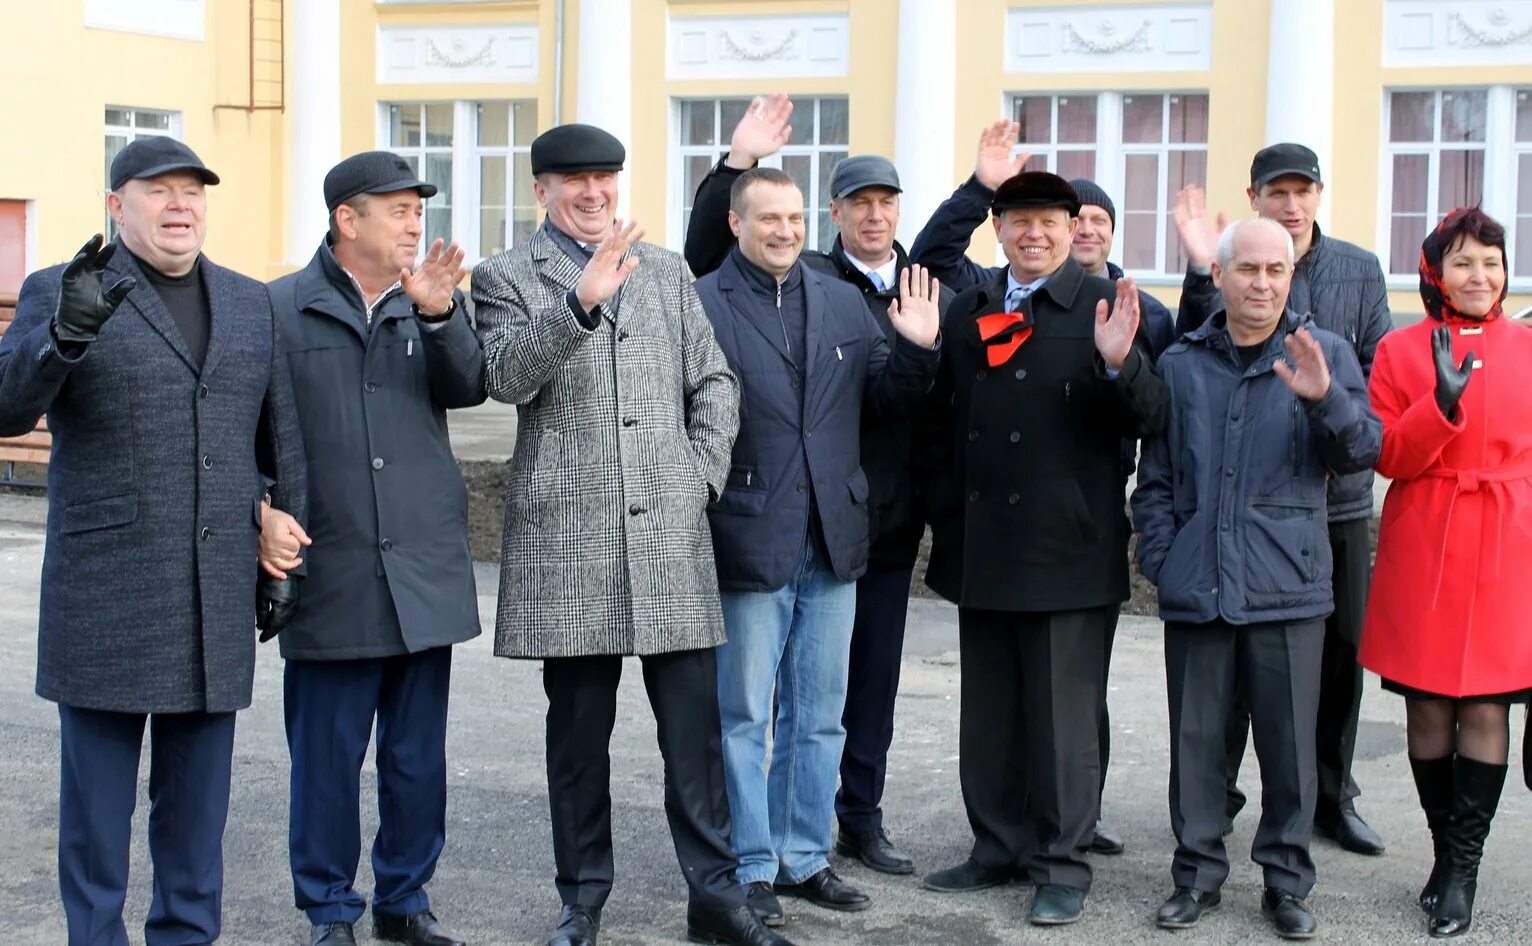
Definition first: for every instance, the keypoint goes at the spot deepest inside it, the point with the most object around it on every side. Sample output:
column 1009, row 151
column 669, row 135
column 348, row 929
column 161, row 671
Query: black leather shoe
column 1105, row 840
column 969, row 875
column 737, row 927
column 764, row 903
column 1056, row 905
column 1288, row 914
column 824, row 889
column 578, row 926
column 1185, row 907
column 1352, row 834
column 417, row 929
column 333, row 934
column 875, row 850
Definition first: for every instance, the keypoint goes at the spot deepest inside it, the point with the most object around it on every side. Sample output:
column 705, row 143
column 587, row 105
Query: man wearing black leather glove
column 160, row 377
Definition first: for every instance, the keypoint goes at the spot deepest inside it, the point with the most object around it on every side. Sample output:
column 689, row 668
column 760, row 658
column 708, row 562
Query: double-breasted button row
column 636, row 510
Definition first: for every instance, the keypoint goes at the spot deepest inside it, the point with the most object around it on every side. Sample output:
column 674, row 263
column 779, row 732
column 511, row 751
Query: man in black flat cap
column 379, row 348
column 1046, row 371
column 627, row 413
column 172, row 418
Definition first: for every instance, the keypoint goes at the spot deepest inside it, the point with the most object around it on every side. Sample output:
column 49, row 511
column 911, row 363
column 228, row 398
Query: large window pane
column 1522, row 264
column 1463, row 115
column 494, row 124
column 492, row 231
column 439, row 172
column 1184, row 168
column 404, row 126
column 1412, row 116
column 1189, row 119
column 1035, row 115
column 1073, row 164
column 732, row 110
column 524, row 213
column 1140, row 213
column 492, row 181
column 1524, row 114
column 439, row 125
column 697, row 123
column 1143, row 119
column 120, row 117
column 1407, row 226
column 1460, row 181
column 1077, row 119
column 834, row 122
column 524, row 117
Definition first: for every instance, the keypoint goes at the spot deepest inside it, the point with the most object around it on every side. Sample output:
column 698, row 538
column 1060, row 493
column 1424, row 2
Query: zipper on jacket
column 1066, row 392
column 783, row 322
column 1296, row 444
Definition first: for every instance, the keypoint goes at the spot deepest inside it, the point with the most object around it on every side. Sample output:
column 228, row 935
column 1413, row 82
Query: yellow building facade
column 1413, row 106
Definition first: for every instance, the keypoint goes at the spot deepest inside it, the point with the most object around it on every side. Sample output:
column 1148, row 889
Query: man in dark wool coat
column 172, row 420
column 1047, row 370
column 379, row 348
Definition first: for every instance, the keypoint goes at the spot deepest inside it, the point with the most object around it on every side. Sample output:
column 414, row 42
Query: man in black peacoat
column 172, row 419
column 1037, row 390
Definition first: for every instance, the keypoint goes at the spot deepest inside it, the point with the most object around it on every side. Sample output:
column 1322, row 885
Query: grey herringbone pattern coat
column 623, row 431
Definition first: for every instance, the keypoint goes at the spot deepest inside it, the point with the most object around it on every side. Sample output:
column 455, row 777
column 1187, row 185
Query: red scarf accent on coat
column 1003, row 333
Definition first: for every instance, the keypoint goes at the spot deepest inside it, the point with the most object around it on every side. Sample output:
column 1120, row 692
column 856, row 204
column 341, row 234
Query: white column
column 604, row 87
column 314, row 105
column 1300, row 80
column 924, row 104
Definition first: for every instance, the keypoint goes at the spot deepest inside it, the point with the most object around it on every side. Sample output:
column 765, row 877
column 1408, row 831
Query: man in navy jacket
column 790, row 532
column 1231, row 506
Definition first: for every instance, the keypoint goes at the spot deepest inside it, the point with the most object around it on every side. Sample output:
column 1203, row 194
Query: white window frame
column 1111, row 164
column 465, row 152
column 133, row 132
column 816, row 205
column 1501, row 151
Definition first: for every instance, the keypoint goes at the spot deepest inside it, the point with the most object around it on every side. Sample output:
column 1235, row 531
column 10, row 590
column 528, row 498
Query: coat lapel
column 147, row 303
column 564, row 272
column 315, row 293
column 223, row 311
column 731, row 280
column 816, row 304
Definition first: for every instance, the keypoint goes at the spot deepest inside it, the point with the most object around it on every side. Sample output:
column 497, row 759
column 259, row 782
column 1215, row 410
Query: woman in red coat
column 1448, row 624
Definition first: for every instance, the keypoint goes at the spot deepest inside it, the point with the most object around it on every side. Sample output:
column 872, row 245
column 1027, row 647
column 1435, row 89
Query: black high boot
column 1476, row 794
column 1433, row 783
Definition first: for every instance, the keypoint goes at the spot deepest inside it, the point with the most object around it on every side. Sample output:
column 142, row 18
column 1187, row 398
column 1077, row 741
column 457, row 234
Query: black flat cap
column 371, row 172
column 1280, row 160
column 156, row 155
column 570, row 148
column 864, row 170
column 1035, row 189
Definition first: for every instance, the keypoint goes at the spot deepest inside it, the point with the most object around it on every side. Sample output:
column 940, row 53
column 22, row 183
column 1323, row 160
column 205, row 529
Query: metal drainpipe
column 558, row 62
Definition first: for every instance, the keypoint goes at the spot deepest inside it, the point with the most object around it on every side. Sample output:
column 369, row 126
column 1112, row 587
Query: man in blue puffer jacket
column 1231, row 507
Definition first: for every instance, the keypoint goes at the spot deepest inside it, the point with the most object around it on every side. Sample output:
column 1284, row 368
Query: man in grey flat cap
column 627, row 413
column 864, row 204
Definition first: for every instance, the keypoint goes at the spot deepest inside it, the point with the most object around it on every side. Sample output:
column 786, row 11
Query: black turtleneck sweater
column 186, row 299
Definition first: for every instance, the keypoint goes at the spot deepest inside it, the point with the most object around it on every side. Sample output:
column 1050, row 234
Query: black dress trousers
column 582, row 709
column 1028, row 758
column 1278, row 666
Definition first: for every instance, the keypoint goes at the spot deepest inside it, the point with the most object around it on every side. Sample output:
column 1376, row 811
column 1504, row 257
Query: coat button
column 369, row 387
column 1305, row 553
column 377, row 463
column 636, row 510
column 207, row 463
column 1021, row 373
column 973, row 435
column 1015, row 436
column 1013, row 499
column 202, row 391
column 622, row 336
column 386, row 544
column 629, row 421
column 1228, row 471
column 797, row 384
column 973, row 497
column 808, row 433
column 981, row 375
column 206, row 532
column 1234, row 415
column 804, row 487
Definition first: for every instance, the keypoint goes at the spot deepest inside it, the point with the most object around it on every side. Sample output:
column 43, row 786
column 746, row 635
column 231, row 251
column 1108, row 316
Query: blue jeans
column 794, row 642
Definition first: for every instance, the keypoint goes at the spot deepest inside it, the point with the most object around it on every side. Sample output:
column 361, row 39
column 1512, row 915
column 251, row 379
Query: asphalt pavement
column 494, row 884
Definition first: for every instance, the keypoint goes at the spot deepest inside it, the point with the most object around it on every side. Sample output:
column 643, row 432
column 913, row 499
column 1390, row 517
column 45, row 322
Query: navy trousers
column 189, row 759
column 877, row 645
column 330, row 707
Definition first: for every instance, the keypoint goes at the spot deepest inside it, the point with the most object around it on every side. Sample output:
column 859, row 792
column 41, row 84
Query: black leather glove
column 1451, row 379
column 84, row 306
column 276, row 601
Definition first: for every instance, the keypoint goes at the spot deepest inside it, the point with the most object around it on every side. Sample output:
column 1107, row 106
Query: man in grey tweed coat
column 627, row 416
column 172, row 415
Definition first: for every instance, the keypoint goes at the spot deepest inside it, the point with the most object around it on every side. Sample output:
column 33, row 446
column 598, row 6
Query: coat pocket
column 1284, row 545
column 100, row 513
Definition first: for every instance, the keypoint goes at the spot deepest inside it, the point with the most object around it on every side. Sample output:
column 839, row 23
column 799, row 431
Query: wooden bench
column 31, row 448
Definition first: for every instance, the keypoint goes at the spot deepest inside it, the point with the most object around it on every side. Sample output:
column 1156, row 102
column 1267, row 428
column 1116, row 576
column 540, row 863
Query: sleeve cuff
column 590, row 320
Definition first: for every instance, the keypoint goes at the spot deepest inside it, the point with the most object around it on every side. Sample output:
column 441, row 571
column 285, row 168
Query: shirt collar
column 1012, row 284
column 888, row 272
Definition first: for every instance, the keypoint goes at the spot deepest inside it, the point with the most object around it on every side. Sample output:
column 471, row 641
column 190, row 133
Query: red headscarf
column 1436, row 246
